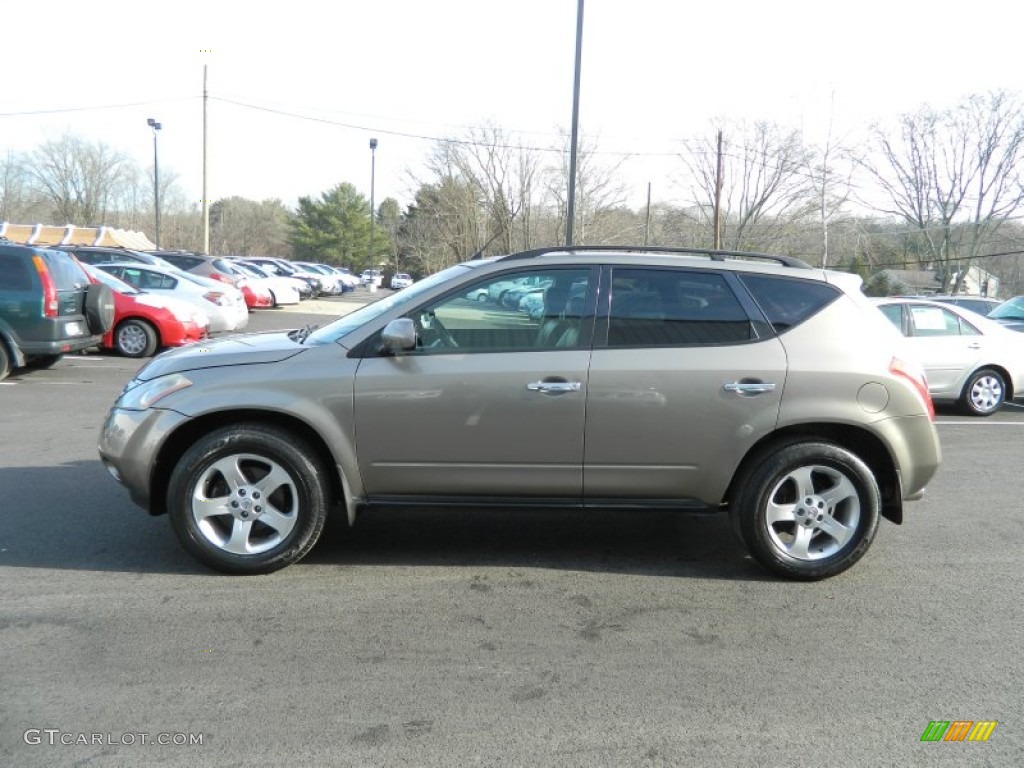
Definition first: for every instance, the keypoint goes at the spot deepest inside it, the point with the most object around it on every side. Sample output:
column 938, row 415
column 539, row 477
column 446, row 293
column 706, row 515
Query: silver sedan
column 969, row 360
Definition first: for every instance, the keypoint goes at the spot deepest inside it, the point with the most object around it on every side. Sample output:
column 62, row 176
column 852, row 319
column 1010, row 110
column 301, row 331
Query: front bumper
column 129, row 444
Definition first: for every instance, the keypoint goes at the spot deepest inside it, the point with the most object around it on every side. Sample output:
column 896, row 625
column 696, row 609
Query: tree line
column 938, row 189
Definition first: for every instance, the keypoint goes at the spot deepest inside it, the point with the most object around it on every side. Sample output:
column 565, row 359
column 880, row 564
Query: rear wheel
column 984, row 393
column 5, row 361
column 135, row 338
column 248, row 499
column 808, row 510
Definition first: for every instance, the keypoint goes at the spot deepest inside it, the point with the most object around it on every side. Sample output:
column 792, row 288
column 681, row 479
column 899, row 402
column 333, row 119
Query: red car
column 144, row 322
column 256, row 296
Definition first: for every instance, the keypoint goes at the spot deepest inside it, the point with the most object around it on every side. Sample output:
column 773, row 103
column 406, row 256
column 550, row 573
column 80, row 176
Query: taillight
column 216, row 298
column 51, row 303
column 915, row 375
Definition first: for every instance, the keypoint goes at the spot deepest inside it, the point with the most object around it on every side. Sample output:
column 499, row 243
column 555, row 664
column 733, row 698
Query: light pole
column 373, row 173
column 156, row 177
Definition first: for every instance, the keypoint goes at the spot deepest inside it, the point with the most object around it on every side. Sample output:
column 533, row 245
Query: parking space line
column 980, row 423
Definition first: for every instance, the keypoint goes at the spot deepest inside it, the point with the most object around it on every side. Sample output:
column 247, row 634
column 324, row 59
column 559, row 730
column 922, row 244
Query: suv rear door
column 683, row 380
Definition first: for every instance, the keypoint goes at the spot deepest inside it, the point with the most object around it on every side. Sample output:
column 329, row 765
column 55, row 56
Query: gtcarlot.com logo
column 55, row 736
column 959, row 730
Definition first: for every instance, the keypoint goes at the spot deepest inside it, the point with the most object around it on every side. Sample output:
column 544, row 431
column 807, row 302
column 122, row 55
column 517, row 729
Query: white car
column 372, row 277
column 330, row 280
column 969, row 360
column 347, row 277
column 283, row 290
column 401, row 280
column 222, row 303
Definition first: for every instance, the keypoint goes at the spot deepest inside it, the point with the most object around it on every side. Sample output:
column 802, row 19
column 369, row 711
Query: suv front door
column 490, row 403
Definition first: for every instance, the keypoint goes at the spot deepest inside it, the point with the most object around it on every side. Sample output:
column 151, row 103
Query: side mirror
column 399, row 335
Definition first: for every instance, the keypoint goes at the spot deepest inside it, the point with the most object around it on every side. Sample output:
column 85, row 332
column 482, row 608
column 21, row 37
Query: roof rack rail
column 710, row 253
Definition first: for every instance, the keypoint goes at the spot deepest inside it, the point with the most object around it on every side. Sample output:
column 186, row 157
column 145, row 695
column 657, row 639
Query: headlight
column 143, row 396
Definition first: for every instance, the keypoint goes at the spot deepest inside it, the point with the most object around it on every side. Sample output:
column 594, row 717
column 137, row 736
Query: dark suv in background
column 48, row 306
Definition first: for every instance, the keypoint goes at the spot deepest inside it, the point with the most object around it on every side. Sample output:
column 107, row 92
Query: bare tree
column 599, row 193
column 765, row 189
column 81, row 180
column 243, row 227
column 830, row 176
column 954, row 175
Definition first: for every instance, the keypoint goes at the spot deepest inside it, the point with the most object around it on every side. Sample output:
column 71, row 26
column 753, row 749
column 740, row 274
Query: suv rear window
column 787, row 302
column 66, row 273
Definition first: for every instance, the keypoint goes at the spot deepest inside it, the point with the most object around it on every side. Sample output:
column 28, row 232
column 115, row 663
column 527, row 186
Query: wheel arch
column 10, row 346
column 860, row 441
column 182, row 438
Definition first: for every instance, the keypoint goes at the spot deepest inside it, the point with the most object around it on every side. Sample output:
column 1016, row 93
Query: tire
column 273, row 300
column 239, row 534
column 807, row 510
column 42, row 361
column 135, row 338
column 984, row 393
column 99, row 308
column 5, row 361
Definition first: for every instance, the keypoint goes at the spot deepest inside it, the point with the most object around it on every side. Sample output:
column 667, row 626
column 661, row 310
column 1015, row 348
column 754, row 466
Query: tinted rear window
column 787, row 302
column 221, row 265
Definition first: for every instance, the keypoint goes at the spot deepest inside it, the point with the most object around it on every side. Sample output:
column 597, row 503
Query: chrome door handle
column 749, row 387
column 554, row 387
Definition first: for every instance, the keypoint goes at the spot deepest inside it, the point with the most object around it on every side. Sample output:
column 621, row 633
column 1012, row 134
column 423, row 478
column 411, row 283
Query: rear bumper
column 59, row 346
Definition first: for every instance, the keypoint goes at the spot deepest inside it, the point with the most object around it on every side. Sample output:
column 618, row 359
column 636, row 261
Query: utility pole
column 206, row 199
column 571, row 206
column 647, row 227
column 718, row 194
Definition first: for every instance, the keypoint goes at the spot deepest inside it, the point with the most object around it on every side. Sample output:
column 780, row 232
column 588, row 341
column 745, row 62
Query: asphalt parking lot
column 501, row 639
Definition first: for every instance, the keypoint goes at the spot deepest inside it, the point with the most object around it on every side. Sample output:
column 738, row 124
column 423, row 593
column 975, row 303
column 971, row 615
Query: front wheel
column 984, row 393
column 248, row 499
column 808, row 510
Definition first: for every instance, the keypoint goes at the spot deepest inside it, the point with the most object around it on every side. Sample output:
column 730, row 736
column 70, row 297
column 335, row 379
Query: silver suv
column 653, row 378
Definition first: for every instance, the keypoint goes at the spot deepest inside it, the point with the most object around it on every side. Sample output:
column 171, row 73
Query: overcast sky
column 298, row 88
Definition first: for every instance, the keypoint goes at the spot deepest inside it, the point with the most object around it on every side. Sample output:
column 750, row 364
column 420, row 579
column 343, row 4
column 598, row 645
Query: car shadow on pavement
column 657, row 543
column 74, row 516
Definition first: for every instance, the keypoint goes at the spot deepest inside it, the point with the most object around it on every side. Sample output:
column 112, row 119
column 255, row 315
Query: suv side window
column 653, row 307
column 787, row 302
column 527, row 311
column 14, row 273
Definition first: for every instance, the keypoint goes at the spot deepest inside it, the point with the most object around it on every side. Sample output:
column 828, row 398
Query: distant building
column 42, row 234
column 912, row 282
